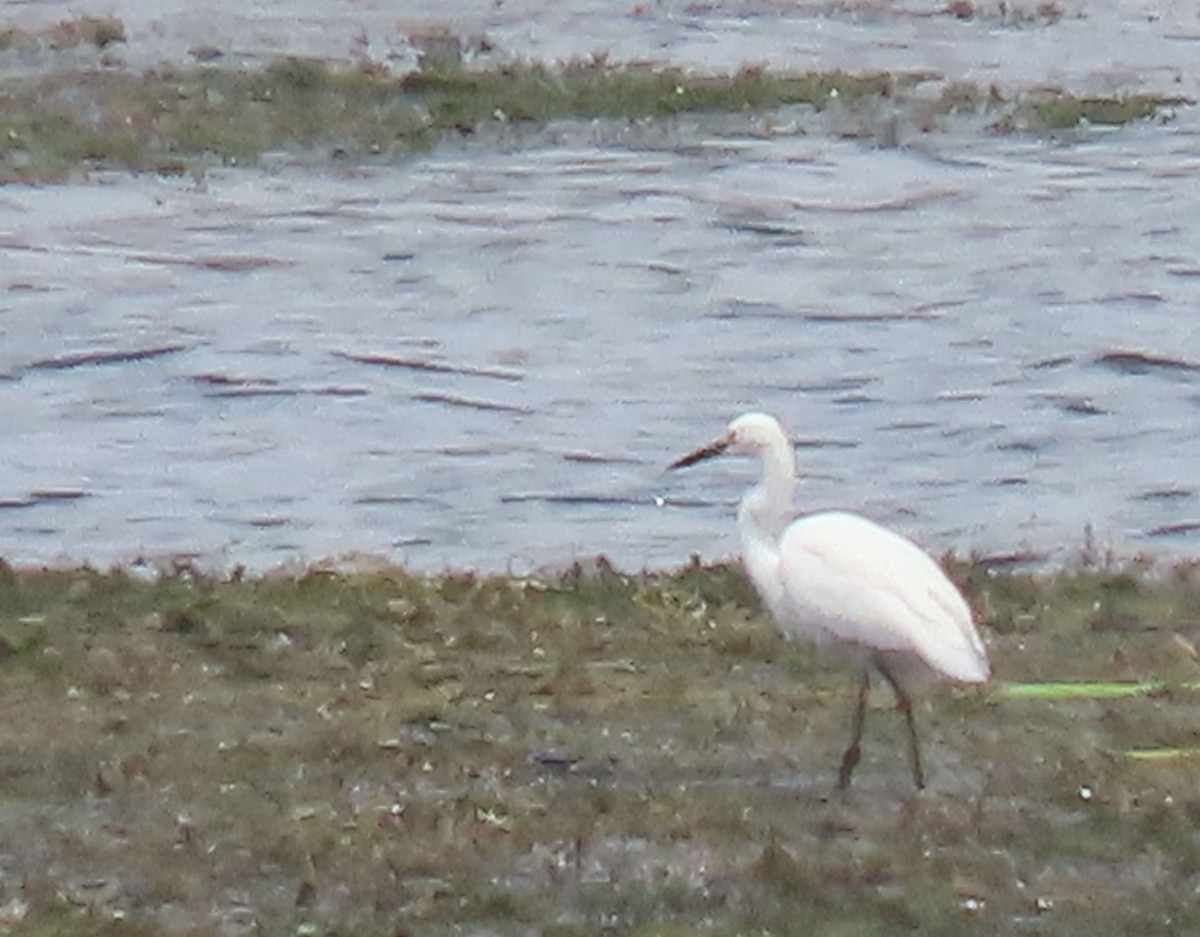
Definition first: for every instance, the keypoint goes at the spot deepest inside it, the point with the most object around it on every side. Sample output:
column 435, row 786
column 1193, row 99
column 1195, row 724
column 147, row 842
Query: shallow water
column 563, row 320
column 486, row 357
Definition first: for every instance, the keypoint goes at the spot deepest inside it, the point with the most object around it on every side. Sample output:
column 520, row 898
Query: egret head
column 755, row 433
column 749, row 434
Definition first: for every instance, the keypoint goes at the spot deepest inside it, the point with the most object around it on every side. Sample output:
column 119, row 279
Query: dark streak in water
column 552, row 497
column 97, row 358
column 1132, row 297
column 470, row 452
column 750, row 309
column 570, row 499
column 904, row 426
column 224, row 380
column 1082, row 406
column 1047, row 364
column 835, row 385
column 267, row 521
column 424, row 364
column 227, row 387
column 57, row 494
column 1166, row 494
column 389, row 499
column 925, row 310
column 1073, row 404
column 250, row 392
column 472, row 403
column 812, row 443
column 1019, row 445
column 43, row 496
column 787, row 235
column 231, row 263
column 1177, row 527
column 939, row 483
column 1140, row 362
column 916, row 314
column 234, row 393
column 595, row 458
column 224, row 263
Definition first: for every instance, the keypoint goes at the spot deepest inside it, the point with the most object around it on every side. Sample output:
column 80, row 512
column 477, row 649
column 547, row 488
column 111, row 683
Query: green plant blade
column 1068, row 691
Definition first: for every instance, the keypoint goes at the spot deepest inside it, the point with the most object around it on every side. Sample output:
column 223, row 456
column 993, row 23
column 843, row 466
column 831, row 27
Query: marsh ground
column 386, row 753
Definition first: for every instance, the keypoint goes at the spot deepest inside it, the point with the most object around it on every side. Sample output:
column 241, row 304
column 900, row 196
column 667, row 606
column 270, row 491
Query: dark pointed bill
column 704, row 452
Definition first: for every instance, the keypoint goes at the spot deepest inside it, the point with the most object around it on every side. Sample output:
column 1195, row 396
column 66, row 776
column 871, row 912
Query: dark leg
column 904, row 704
column 853, row 752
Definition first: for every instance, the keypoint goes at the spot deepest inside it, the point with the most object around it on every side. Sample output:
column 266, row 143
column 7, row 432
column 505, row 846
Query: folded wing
column 845, row 578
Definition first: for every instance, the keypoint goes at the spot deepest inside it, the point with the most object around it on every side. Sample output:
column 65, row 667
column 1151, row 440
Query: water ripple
column 487, row 357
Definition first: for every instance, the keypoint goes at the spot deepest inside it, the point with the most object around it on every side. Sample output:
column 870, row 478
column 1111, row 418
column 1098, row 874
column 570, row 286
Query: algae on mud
column 388, row 752
column 174, row 118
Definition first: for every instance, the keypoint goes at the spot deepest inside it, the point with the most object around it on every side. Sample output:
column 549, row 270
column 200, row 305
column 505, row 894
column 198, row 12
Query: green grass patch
column 167, row 119
column 1110, row 111
column 1069, row 691
column 1162, row 754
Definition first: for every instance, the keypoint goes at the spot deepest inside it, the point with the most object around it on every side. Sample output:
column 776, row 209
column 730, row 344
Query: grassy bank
column 588, row 752
column 171, row 119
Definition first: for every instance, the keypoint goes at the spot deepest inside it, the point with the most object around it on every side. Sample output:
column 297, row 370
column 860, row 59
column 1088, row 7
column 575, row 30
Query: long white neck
column 762, row 515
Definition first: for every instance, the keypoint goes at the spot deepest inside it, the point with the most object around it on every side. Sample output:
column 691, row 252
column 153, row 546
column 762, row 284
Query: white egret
column 840, row 579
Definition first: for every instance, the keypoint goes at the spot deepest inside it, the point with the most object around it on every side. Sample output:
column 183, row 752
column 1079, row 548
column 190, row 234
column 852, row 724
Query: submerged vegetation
column 383, row 753
column 170, row 119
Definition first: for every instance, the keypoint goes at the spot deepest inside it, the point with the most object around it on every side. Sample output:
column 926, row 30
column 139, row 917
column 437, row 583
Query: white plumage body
column 841, row 577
